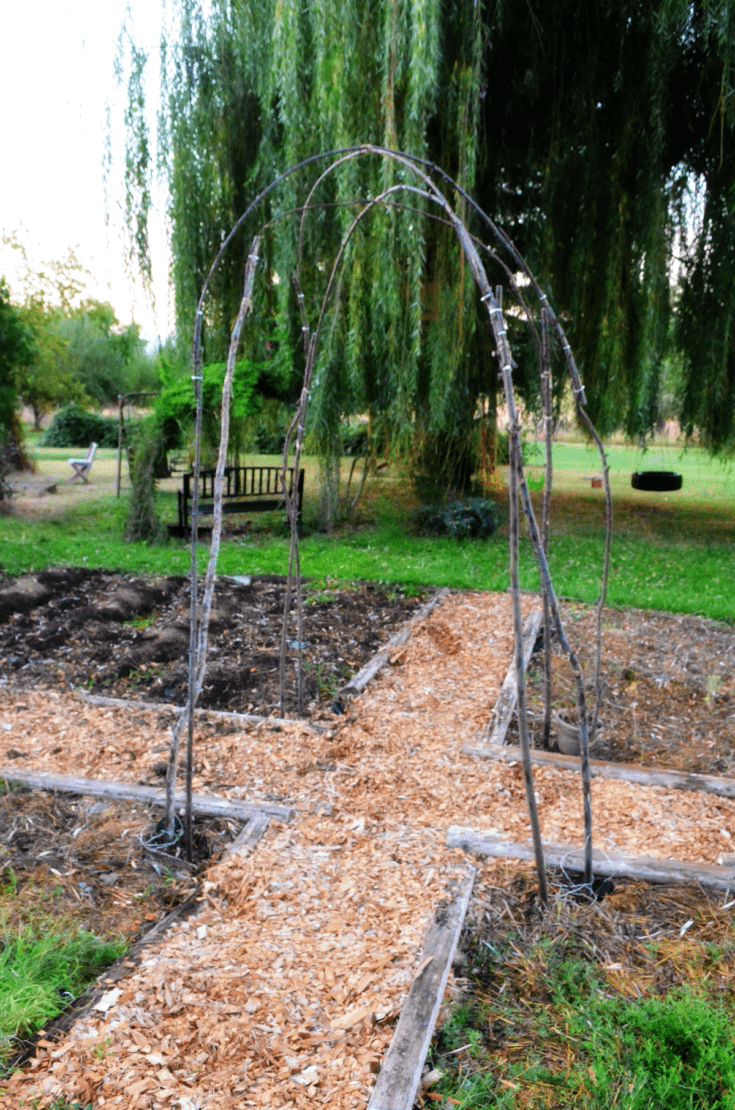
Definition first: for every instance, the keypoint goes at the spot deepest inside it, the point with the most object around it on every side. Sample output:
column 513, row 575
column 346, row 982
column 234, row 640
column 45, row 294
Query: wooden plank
column 624, row 772
column 359, row 681
column 218, row 714
column 400, row 1075
column 504, row 709
column 648, row 869
column 148, row 795
column 247, row 839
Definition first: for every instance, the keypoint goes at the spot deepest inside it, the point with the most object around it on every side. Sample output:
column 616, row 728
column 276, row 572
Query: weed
column 140, row 622
column 8, row 881
column 550, row 1030
column 104, row 1049
column 714, row 687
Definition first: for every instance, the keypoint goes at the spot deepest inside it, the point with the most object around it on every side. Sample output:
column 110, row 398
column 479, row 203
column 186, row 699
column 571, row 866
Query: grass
column 42, row 968
column 583, row 1010
column 672, row 552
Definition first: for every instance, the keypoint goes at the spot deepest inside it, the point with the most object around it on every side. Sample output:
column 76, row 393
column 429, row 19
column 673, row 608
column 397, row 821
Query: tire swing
column 660, row 481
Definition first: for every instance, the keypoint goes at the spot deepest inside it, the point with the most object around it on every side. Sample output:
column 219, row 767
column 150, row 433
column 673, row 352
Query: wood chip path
column 284, row 990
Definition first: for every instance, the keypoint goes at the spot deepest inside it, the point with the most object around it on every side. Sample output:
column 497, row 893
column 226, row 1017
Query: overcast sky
column 56, row 78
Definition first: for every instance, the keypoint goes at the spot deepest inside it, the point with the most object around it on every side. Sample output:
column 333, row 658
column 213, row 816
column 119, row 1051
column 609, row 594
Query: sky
column 56, row 81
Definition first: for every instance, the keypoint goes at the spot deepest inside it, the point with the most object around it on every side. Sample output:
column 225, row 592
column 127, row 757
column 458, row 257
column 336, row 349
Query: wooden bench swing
column 245, row 489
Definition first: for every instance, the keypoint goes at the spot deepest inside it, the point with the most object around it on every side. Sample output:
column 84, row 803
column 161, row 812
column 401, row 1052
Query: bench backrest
column 242, row 481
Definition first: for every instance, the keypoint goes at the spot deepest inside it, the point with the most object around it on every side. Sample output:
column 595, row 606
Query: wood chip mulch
column 283, row 991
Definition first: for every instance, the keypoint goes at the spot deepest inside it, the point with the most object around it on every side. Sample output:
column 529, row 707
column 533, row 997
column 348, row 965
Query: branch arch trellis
column 419, row 184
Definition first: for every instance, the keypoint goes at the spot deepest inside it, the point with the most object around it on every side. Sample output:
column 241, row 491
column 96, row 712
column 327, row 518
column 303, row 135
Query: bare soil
column 122, row 636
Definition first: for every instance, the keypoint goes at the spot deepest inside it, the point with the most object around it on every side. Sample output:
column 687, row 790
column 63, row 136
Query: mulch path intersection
column 283, row 990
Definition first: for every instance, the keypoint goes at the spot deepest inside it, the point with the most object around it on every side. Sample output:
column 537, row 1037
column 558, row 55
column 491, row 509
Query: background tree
column 582, row 126
column 105, row 358
column 81, row 353
column 15, row 348
column 45, row 380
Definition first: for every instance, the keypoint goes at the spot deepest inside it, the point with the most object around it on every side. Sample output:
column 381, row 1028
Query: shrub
column 268, row 442
column 355, row 441
column 74, row 426
column 143, row 523
column 475, row 518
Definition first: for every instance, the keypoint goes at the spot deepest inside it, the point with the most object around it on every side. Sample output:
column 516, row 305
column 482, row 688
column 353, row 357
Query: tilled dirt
column 122, row 636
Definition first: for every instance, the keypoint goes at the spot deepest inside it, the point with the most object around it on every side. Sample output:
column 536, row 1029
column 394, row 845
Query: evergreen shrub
column 74, row 426
column 474, row 518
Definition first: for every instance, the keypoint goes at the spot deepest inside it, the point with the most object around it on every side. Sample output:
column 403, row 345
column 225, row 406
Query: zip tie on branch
column 197, row 378
column 486, row 296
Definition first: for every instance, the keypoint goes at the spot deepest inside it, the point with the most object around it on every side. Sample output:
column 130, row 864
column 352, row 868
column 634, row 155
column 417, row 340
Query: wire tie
column 486, row 296
column 197, row 378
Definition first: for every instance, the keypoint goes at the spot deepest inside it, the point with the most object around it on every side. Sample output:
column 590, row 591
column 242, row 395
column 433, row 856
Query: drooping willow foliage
column 584, row 127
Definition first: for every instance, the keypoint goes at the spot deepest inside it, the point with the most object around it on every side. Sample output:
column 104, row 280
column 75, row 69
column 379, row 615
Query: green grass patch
column 550, row 1024
column 42, row 969
column 673, row 552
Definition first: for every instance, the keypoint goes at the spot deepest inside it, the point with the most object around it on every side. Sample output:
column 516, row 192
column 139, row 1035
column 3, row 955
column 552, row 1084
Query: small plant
column 475, row 518
column 104, row 1049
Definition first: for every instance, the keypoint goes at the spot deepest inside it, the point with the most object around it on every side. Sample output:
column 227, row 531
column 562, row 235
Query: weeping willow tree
column 584, row 127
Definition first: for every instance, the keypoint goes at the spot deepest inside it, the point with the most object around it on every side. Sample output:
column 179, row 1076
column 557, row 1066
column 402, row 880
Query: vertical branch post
column 199, row 619
column 514, row 450
column 546, row 518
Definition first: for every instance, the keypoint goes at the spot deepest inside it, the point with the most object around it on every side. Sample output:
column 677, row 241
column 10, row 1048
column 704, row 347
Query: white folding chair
column 82, row 467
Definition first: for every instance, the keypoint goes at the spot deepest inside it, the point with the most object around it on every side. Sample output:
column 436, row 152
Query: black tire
column 661, row 481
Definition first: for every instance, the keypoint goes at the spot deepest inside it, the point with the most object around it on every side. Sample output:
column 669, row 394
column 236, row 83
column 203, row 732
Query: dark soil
column 120, row 636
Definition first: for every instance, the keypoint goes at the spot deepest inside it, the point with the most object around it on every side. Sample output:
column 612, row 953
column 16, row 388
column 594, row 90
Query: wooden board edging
column 359, row 681
column 218, row 714
column 504, row 708
column 612, row 865
column 245, row 842
column 400, row 1075
column 205, row 804
column 626, row 772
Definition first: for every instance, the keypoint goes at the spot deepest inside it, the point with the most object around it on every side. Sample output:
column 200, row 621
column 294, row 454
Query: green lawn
column 670, row 551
